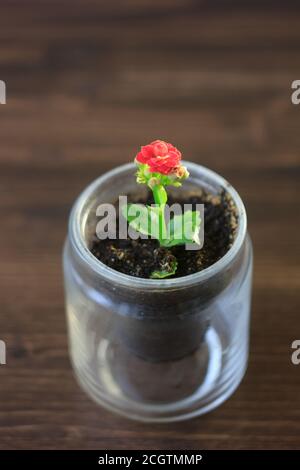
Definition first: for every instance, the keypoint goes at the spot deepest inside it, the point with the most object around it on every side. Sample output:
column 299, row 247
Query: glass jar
column 156, row 350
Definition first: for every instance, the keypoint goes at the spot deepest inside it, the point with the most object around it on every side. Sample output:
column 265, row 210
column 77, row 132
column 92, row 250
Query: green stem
column 160, row 199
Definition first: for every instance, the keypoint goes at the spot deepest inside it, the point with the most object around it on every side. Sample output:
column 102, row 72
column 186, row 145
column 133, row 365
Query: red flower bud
column 160, row 156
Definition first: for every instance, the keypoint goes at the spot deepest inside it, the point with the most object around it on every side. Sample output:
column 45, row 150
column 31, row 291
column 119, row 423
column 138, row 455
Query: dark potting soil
column 139, row 258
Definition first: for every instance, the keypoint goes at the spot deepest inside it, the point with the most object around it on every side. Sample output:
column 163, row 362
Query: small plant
column 159, row 166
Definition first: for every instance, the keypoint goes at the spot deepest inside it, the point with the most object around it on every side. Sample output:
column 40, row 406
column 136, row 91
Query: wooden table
column 87, row 83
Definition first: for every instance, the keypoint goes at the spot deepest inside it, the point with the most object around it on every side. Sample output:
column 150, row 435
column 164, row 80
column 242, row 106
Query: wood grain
column 87, row 82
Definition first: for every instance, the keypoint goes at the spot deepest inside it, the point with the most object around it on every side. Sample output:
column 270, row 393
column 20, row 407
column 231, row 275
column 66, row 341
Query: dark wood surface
column 87, row 83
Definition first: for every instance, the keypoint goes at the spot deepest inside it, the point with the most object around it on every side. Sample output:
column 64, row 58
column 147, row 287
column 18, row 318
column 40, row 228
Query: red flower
column 160, row 156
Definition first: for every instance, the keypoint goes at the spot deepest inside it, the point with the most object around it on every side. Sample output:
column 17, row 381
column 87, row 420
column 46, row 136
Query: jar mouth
column 78, row 218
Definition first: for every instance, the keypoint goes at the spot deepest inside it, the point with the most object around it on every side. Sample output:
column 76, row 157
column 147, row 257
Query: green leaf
column 169, row 270
column 183, row 229
column 143, row 219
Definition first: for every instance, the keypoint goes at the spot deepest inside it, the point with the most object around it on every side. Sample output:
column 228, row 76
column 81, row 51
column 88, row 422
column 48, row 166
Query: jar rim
column 116, row 277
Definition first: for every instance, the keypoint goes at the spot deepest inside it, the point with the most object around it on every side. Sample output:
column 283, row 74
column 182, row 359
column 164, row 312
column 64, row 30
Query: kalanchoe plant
column 159, row 165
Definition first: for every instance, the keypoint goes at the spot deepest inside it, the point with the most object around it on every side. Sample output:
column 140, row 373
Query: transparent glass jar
column 156, row 350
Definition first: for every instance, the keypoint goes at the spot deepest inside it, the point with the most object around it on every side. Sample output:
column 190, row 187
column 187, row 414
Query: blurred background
column 88, row 82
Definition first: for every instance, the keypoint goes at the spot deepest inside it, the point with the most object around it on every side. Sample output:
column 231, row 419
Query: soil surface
column 139, row 258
